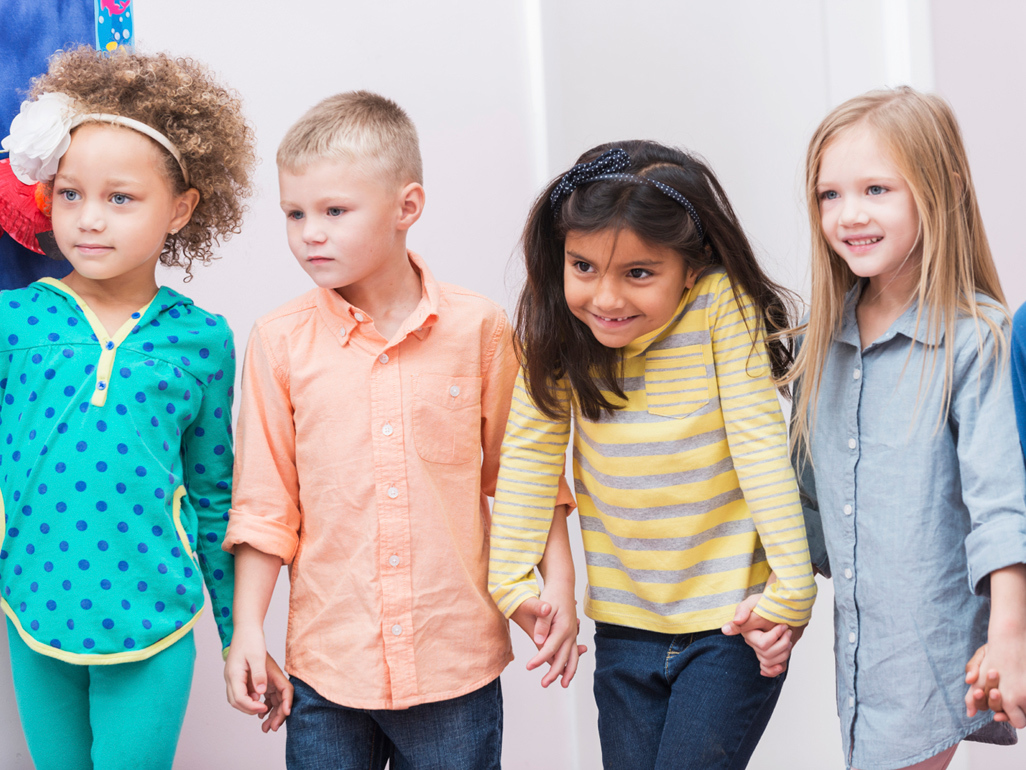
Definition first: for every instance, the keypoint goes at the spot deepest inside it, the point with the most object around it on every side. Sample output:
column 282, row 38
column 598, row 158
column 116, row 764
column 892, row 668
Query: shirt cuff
column 267, row 536
column 999, row 543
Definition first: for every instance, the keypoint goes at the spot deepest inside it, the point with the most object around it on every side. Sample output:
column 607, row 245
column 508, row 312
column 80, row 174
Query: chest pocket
column 447, row 418
column 677, row 380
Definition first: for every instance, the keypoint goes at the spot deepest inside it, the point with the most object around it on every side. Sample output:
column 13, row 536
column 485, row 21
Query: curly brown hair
column 181, row 99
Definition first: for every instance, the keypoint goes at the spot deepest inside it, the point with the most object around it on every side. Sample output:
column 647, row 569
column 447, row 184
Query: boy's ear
column 411, row 201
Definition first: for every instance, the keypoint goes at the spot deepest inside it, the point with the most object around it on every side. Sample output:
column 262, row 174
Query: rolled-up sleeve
column 265, row 496
column 990, row 460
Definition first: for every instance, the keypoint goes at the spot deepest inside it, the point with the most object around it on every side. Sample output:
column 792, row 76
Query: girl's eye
column 877, row 190
column 639, row 272
column 583, row 267
column 828, row 195
column 69, row 195
column 119, row 199
column 294, row 215
column 335, row 211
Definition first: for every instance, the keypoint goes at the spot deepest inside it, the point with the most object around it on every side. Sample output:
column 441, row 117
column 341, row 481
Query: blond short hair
column 356, row 126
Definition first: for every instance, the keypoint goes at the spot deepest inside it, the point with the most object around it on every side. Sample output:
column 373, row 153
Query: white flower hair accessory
column 41, row 134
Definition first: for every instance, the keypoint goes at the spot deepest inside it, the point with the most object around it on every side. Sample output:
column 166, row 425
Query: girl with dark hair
column 647, row 321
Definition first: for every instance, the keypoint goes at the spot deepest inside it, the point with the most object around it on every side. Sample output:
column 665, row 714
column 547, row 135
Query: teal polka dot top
column 115, row 473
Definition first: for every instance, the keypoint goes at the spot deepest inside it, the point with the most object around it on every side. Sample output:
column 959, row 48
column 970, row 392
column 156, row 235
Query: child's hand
column 246, row 677
column 278, row 696
column 1004, row 691
column 553, row 629
column 771, row 641
column 986, row 696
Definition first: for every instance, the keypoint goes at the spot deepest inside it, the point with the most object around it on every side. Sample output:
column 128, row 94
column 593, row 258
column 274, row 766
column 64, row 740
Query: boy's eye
column 335, row 211
column 119, row 199
column 877, row 190
column 639, row 272
column 294, row 215
column 68, row 195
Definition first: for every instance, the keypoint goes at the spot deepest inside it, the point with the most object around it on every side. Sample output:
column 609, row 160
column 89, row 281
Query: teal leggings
column 121, row 716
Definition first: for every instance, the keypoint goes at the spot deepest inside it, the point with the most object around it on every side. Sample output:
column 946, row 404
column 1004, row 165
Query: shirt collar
column 350, row 320
column 905, row 324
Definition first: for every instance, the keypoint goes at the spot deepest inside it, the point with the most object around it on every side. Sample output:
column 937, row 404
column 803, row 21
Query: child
column 644, row 321
column 116, row 406
column 911, row 472
column 372, row 415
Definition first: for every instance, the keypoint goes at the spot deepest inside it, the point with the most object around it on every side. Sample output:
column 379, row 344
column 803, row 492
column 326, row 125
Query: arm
column 757, row 438
column 207, row 473
column 533, row 458
column 993, row 489
column 250, row 673
column 263, row 530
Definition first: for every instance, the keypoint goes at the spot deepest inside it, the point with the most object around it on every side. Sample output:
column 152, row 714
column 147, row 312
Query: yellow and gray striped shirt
column 686, row 495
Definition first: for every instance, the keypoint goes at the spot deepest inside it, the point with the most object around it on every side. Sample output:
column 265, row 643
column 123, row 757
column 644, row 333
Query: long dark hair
column 553, row 344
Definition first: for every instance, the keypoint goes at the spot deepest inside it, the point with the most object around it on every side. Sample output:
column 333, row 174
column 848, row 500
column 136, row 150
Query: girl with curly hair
column 115, row 408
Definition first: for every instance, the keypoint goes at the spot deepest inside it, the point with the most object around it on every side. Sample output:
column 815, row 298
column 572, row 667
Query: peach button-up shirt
column 365, row 465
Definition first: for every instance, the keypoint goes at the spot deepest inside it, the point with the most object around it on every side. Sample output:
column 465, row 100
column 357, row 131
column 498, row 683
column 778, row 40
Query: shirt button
column 342, row 331
column 851, row 701
column 393, row 560
column 847, row 510
column 851, row 637
column 397, row 629
column 852, row 443
column 847, row 574
column 383, row 358
column 387, row 429
column 856, row 374
column 393, row 492
column 101, row 385
column 109, row 345
column 358, row 317
column 454, row 391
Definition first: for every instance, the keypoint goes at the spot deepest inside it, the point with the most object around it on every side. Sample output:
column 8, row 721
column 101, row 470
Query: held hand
column 985, row 696
column 553, row 629
column 278, row 696
column 245, row 672
column 772, row 642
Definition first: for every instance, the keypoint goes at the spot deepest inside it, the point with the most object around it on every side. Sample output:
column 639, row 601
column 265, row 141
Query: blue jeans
column 463, row 733
column 679, row 701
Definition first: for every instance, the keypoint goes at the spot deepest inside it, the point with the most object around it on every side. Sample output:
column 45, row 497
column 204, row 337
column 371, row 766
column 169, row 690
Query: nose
column 90, row 217
column 608, row 297
column 853, row 212
column 312, row 231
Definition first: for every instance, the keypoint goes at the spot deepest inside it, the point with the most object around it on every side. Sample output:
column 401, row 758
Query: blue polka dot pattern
column 96, row 525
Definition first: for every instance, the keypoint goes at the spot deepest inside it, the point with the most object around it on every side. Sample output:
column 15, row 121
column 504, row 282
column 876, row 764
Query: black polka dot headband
column 610, row 165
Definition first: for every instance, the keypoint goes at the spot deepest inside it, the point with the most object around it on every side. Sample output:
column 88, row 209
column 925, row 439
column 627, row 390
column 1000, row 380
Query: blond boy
column 373, row 409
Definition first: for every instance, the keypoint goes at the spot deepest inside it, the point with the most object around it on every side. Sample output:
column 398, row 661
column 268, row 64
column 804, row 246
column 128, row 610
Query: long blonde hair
column 925, row 143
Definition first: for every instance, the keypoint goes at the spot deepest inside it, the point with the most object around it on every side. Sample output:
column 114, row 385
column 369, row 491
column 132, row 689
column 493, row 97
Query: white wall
column 506, row 95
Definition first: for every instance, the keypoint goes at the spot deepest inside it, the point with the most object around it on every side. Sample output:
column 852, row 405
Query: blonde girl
column 115, row 406
column 909, row 464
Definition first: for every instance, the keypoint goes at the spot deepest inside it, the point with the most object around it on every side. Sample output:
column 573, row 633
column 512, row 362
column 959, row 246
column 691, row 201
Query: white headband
column 41, row 134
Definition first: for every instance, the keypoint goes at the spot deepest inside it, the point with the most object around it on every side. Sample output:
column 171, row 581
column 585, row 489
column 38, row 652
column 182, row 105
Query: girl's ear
column 184, row 205
column 411, row 201
column 690, row 277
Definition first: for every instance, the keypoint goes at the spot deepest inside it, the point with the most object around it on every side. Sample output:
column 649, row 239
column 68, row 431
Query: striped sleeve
column 533, row 458
column 757, row 437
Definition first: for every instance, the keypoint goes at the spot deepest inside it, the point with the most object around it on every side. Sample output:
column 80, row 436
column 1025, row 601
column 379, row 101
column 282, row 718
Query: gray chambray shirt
column 909, row 517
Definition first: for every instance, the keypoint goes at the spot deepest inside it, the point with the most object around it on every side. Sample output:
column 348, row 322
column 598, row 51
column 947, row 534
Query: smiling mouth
column 608, row 319
column 864, row 241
